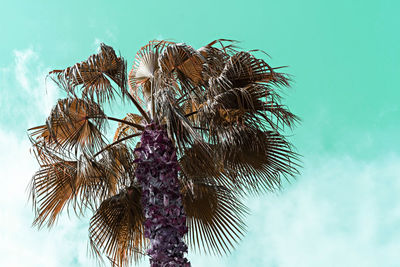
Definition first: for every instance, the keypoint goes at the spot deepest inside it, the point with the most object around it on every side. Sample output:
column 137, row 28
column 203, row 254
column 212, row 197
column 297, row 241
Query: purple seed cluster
column 165, row 219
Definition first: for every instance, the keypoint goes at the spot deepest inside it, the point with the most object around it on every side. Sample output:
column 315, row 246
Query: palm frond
column 242, row 159
column 248, row 105
column 116, row 229
column 95, row 75
column 124, row 129
column 73, row 125
column 143, row 70
column 217, row 57
column 256, row 160
column 180, row 129
column 185, row 62
column 119, row 159
column 199, row 163
column 214, row 217
column 79, row 183
column 243, row 69
column 51, row 187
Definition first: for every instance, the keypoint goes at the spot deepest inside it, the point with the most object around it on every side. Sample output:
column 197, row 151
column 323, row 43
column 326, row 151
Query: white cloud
column 31, row 76
column 96, row 44
column 26, row 99
column 341, row 212
column 21, row 245
column 22, row 59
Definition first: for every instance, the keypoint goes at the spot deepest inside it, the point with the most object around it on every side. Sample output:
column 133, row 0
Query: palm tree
column 210, row 128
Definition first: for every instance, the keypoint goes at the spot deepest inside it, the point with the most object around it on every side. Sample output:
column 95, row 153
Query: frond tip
column 95, row 75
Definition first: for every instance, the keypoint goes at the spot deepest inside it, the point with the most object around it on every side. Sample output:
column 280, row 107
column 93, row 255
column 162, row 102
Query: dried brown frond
column 124, row 130
column 119, row 159
column 242, row 159
column 80, row 183
column 256, row 160
column 186, row 62
column 254, row 105
column 217, row 57
column 214, row 217
column 243, row 69
column 52, row 186
column 143, row 70
column 95, row 75
column 199, row 163
column 73, row 125
column 228, row 46
column 116, row 229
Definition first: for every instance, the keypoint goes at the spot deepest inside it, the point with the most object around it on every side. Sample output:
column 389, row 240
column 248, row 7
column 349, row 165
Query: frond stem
column 137, row 126
column 140, row 109
column 191, row 113
column 137, row 105
column 116, row 142
column 200, row 128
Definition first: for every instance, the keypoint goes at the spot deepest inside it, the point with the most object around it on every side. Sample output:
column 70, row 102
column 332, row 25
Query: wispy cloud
column 96, row 44
column 22, row 64
column 31, row 75
column 21, row 245
column 341, row 212
column 25, row 95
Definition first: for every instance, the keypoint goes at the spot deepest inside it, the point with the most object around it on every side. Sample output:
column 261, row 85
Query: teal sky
column 344, row 57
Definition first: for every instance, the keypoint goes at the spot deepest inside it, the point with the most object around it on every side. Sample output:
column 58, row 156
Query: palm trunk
column 165, row 219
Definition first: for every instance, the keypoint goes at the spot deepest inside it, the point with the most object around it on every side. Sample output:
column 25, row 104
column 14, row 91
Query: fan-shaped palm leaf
column 244, row 160
column 257, row 159
column 124, row 129
column 214, row 217
column 143, row 70
column 243, row 69
column 116, row 229
column 217, row 57
column 186, row 62
column 73, row 124
column 80, row 183
column 180, row 128
column 95, row 75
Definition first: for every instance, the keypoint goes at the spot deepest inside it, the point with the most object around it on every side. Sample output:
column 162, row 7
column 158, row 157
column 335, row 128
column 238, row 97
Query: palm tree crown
column 222, row 113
